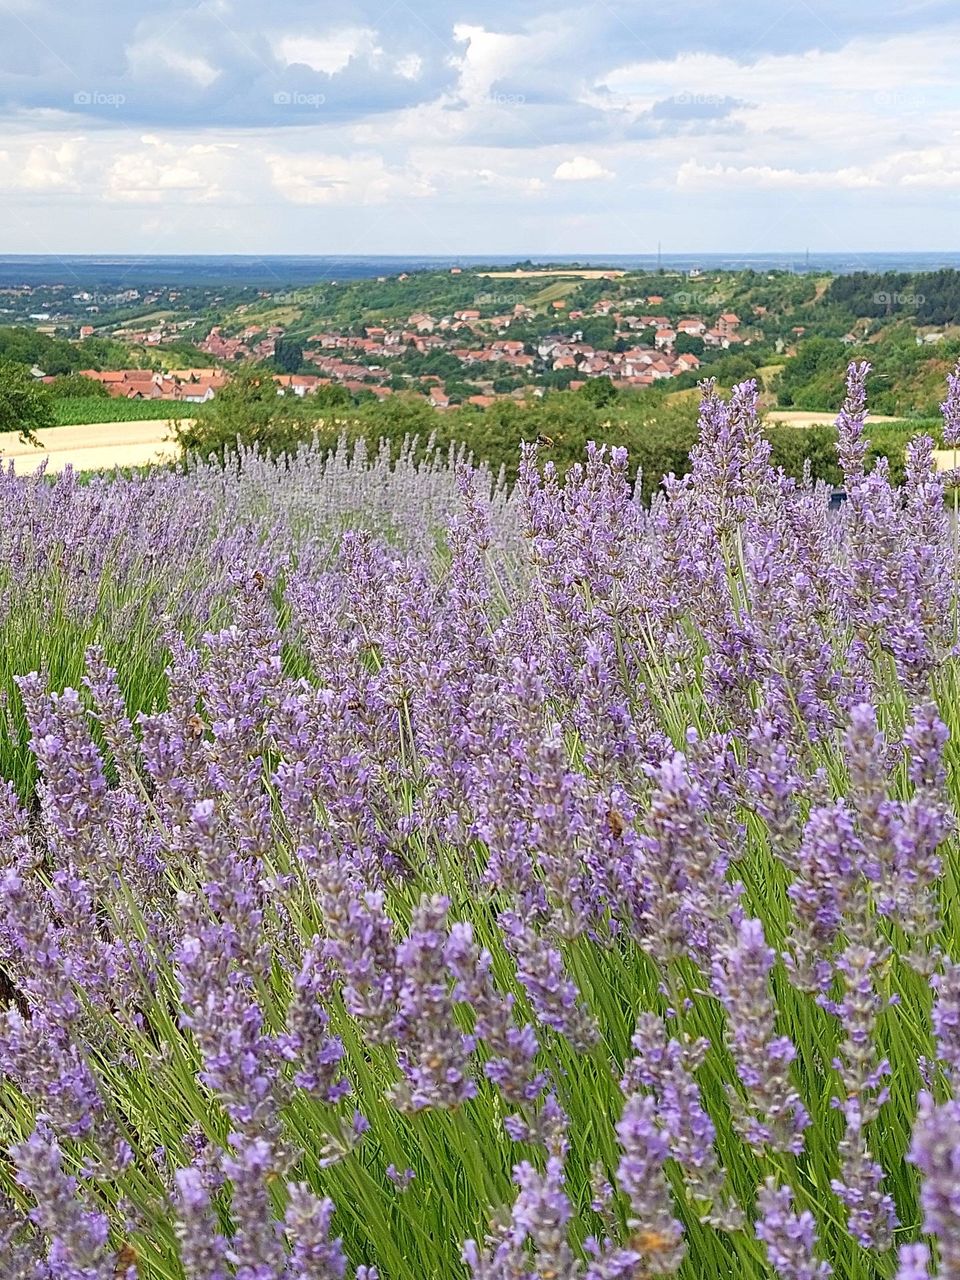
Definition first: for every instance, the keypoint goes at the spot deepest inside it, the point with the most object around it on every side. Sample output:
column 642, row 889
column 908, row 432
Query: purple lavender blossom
column 78, row 1234
column 851, row 445
column 401, row 1179
column 308, row 1042
column 20, row 1245
column 514, row 1049
column 102, row 681
column 362, row 947
column 935, row 1151
column 927, row 819
column 542, row 974
column 913, row 1262
column 830, row 860
column 307, row 1219
column 790, row 1237
column 690, row 903
column 539, row 1221
column 656, row 1235
column 666, row 1068
column 772, row 1114
column 950, row 409
column 256, row 1249
column 203, row 1249
column 435, row 1055
column 871, row 1212
column 946, row 1020
column 221, row 1010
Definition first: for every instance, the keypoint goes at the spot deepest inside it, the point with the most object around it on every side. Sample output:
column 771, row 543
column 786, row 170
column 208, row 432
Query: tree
column 288, row 356
column 599, row 391
column 25, row 404
column 331, row 397
column 248, row 410
column 77, row 385
column 689, row 344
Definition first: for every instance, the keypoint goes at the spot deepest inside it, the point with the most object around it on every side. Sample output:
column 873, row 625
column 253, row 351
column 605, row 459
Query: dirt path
column 799, row 418
column 94, row 446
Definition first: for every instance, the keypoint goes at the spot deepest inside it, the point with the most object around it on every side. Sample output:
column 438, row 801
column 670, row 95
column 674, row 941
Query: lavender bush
column 405, row 879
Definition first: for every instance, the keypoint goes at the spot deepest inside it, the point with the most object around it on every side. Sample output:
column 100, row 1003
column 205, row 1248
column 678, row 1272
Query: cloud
column 50, row 168
column 344, row 179
column 692, row 174
column 466, row 123
column 158, row 53
column 330, row 53
column 581, row 169
column 409, row 66
column 157, row 170
column 931, row 167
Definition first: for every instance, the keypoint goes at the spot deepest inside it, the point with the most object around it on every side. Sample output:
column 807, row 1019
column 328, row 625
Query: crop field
column 408, row 878
column 534, row 273
column 550, row 293
column 96, row 446
column 148, row 317
column 801, row 418
column 79, row 410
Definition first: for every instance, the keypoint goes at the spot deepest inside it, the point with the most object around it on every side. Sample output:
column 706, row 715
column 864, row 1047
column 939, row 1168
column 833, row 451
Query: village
column 647, row 347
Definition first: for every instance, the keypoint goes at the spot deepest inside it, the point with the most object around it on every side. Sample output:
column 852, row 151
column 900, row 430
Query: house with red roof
column 728, row 323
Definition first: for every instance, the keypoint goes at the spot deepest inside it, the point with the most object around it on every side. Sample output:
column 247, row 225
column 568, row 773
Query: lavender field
column 405, row 877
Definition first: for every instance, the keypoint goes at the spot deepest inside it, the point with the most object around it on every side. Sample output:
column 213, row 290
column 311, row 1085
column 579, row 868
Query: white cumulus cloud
column 344, row 179
column 581, row 169
column 328, row 53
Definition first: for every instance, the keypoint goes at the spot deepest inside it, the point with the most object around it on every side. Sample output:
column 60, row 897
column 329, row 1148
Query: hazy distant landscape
column 277, row 270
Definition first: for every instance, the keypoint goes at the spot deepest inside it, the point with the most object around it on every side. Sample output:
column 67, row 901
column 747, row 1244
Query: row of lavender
column 124, row 564
column 516, row 888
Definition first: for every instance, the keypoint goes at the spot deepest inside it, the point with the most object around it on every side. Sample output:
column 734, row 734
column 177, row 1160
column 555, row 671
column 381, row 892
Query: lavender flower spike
column 666, row 1068
column 77, row 1234
column 914, row 1261
column 851, row 445
column 950, row 409
column 540, row 1218
column 657, row 1236
column 202, row 1248
column 315, row 1256
column 435, row 1055
column 936, row 1153
column 790, row 1237
column 552, row 993
column 946, row 1020
column 772, row 1115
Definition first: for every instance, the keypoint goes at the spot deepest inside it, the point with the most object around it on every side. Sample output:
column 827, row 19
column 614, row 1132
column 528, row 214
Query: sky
column 455, row 126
